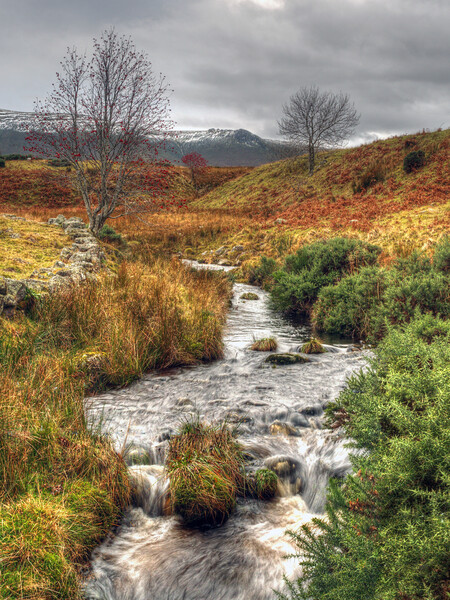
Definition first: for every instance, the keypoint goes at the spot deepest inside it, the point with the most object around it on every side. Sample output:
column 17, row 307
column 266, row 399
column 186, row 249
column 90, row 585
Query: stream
column 279, row 415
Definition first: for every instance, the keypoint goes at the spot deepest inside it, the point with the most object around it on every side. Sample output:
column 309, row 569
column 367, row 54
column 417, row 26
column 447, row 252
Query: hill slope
column 360, row 191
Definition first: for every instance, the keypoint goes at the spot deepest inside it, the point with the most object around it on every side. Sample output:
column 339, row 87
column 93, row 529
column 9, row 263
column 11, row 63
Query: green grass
column 205, row 466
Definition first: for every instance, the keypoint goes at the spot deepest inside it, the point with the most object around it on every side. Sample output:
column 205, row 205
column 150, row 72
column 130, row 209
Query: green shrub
column 110, row 234
column 313, row 267
column 387, row 528
column 361, row 305
column 2, row 163
column 413, row 161
column 58, row 162
column 441, row 258
column 262, row 274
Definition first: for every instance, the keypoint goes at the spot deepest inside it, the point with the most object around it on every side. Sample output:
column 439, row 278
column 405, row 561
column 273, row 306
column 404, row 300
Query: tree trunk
column 311, row 159
column 96, row 223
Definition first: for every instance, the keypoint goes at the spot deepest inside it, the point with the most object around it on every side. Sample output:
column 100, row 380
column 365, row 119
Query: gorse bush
column 2, row 163
column 387, row 529
column 110, row 234
column 363, row 304
column 262, row 274
column 313, row 267
column 413, row 161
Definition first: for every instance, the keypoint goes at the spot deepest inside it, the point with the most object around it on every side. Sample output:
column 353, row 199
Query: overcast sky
column 233, row 63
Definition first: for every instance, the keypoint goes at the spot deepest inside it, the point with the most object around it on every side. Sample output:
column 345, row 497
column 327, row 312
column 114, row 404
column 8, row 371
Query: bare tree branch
column 317, row 120
column 107, row 117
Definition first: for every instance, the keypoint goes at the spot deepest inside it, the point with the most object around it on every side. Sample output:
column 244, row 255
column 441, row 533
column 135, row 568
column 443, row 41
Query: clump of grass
column 249, row 296
column 263, row 484
column 265, row 345
column 206, row 470
column 313, row 346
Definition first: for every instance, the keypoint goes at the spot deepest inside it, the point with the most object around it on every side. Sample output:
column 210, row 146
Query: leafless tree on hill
column 106, row 117
column 317, row 120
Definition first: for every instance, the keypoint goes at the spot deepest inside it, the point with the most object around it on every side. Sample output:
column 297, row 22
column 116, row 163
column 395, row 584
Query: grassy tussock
column 62, row 486
column 265, row 345
column 206, row 470
column 313, row 346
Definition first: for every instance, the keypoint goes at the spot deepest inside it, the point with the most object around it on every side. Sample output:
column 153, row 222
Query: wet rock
column 285, row 359
column 220, row 251
column 290, row 472
column 165, row 435
column 299, row 420
column 312, row 411
column 281, row 428
column 237, row 248
column 184, row 402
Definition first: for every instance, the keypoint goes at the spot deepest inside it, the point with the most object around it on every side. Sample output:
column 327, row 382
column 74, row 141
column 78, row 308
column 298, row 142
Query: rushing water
column 279, row 413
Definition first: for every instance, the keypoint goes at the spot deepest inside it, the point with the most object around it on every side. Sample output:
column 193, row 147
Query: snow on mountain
column 220, row 147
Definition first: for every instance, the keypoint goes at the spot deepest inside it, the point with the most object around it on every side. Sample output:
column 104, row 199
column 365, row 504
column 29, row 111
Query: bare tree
column 107, row 116
column 316, row 120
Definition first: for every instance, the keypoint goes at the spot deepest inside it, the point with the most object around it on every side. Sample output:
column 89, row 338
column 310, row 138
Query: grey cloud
column 234, row 64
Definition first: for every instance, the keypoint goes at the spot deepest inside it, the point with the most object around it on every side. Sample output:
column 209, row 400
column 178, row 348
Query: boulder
column 285, row 359
column 280, row 428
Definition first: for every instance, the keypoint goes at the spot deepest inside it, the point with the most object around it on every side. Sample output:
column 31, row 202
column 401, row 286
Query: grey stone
column 13, row 217
column 3, row 288
column 16, row 289
column 299, row 420
column 286, row 359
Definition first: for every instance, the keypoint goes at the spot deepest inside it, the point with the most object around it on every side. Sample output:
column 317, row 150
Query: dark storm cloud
column 233, row 63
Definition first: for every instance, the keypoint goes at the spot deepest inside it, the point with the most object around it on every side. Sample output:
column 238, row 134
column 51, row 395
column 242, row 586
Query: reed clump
column 205, row 465
column 269, row 344
column 313, row 346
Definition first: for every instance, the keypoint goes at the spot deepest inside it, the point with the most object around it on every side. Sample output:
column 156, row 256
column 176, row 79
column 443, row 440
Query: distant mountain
column 220, row 147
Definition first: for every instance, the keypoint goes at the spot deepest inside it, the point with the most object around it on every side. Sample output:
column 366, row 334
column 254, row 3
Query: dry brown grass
column 265, row 345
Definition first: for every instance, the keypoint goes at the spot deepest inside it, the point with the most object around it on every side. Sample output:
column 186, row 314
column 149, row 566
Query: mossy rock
column 249, row 296
column 286, row 359
column 313, row 346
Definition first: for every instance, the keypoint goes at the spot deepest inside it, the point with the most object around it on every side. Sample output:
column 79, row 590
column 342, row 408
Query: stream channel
column 280, row 415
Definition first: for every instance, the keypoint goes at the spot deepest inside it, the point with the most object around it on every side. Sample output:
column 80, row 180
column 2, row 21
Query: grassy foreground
column 62, row 486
